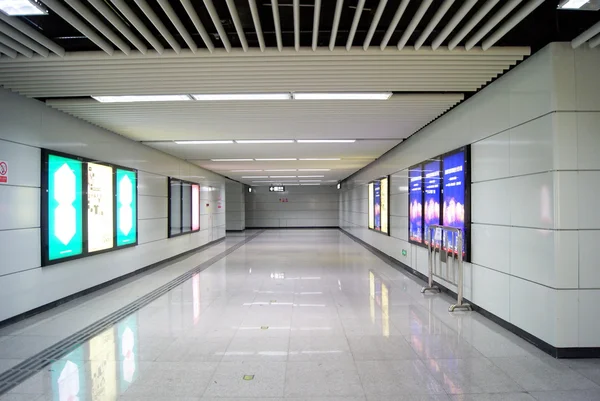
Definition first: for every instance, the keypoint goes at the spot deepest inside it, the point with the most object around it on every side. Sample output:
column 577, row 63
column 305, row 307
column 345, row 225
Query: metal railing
column 452, row 272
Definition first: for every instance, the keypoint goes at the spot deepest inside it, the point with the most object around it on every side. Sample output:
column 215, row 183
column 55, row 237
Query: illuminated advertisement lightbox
column 195, row 207
column 415, row 211
column 455, row 196
column 62, row 208
column 100, row 232
column 126, row 207
column 379, row 205
column 432, row 184
column 371, row 202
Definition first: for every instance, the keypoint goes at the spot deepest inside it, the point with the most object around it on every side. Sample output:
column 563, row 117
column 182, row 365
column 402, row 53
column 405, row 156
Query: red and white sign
column 3, row 172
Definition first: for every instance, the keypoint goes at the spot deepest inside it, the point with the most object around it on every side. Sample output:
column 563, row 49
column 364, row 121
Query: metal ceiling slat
column 587, row 35
column 316, row 18
column 491, row 23
column 439, row 14
column 296, row 12
column 594, row 42
column 479, row 15
column 214, row 16
column 13, row 44
column 237, row 23
column 277, row 23
column 99, row 25
column 374, row 23
column 414, row 22
column 139, row 25
column 7, row 51
column 158, row 24
column 172, row 15
column 33, row 34
column 458, row 16
column 336, row 23
column 78, row 24
column 189, row 9
column 511, row 23
column 393, row 24
column 118, row 23
column 357, row 13
column 257, row 25
column 23, row 39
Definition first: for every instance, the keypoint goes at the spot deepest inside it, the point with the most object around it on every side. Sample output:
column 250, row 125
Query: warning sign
column 3, row 172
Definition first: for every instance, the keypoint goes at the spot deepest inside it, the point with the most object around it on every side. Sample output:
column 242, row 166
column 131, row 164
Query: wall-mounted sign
column 3, row 172
column 276, row 188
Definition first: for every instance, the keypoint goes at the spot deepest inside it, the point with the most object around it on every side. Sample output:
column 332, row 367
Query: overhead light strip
column 22, row 7
column 343, row 96
column 202, row 142
column 217, row 97
column 252, row 141
column 326, row 140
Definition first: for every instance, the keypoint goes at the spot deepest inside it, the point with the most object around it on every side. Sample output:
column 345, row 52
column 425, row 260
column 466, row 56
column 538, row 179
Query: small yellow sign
column 248, row 377
column 264, row 327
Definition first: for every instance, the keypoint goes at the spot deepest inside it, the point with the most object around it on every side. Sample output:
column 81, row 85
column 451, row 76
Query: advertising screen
column 415, row 205
column 195, row 207
column 371, row 201
column 384, row 205
column 64, row 205
column 100, row 207
column 126, row 207
column 377, row 204
column 432, row 183
column 454, row 195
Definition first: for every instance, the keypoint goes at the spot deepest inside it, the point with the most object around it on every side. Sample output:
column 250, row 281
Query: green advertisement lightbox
column 126, row 207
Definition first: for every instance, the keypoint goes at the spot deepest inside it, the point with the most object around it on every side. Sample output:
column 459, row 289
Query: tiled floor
column 292, row 315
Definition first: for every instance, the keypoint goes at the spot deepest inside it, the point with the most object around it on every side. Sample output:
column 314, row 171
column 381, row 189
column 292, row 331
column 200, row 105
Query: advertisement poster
column 103, row 386
column 126, row 207
column 128, row 352
column 371, row 201
column 195, row 207
column 377, row 204
column 432, row 185
column 100, row 207
column 68, row 377
column 416, row 205
column 384, row 206
column 454, row 195
column 65, row 208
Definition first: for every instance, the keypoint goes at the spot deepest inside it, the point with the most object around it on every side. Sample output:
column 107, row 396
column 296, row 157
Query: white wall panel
column 399, row 183
column 490, row 158
column 567, row 321
column 152, row 184
column 23, row 163
column 589, row 324
column 399, row 227
column 566, row 192
column 491, row 290
column 531, row 146
column 587, row 140
column 565, row 140
column 489, row 203
column 490, row 246
column 399, row 205
column 20, row 207
column 586, row 69
column 589, row 188
column 152, row 230
column 589, row 252
column 533, row 308
column 152, row 207
column 566, row 259
column 532, row 255
column 19, row 250
column 531, row 201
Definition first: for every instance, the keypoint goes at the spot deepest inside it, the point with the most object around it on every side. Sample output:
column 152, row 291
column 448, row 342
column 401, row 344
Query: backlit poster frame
column 81, row 185
column 379, row 208
column 126, row 241
column 432, row 196
column 415, row 205
column 181, row 203
column 111, row 197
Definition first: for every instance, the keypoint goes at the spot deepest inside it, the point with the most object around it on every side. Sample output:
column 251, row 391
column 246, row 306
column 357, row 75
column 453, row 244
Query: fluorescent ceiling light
column 343, row 96
column 232, row 160
column 257, row 176
column 310, row 184
column 317, row 159
column 246, row 171
column 284, row 170
column 282, row 176
column 22, row 7
column 326, row 140
column 314, row 169
column 263, row 181
column 275, row 160
column 311, row 176
column 573, row 4
column 310, row 180
column 265, row 141
column 243, row 96
column 202, row 142
column 141, row 98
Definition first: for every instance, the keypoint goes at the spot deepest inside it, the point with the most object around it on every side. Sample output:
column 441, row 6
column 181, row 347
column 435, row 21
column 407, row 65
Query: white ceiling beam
column 491, row 23
column 439, row 14
column 357, row 13
column 374, row 23
column 7, row 50
column 413, row 23
column 257, row 25
column 511, row 23
column 393, row 24
column 139, row 25
column 336, row 23
column 158, row 24
column 78, row 24
column 316, row 19
column 214, row 16
column 296, row 6
column 277, row 23
column 23, row 39
column 460, row 14
column 595, row 41
column 99, row 25
column 13, row 44
column 166, row 6
column 482, row 12
column 584, row 37
column 189, row 8
column 33, row 34
column 237, row 23
column 118, row 23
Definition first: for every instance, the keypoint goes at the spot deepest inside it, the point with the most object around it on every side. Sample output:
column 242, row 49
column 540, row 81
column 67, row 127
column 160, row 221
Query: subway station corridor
column 274, row 315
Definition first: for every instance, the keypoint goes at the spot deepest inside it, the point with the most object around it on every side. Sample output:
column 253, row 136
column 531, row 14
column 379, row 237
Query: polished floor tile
column 322, row 378
column 247, row 379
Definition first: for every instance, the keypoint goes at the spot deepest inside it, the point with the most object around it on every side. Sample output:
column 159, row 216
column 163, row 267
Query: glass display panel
column 100, row 230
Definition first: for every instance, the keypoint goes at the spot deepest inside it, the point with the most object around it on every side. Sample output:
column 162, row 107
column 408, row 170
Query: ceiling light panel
column 311, row 176
column 202, row 142
column 326, row 140
column 314, row 169
column 276, row 160
column 265, row 141
column 573, row 4
column 257, row 176
column 246, row 171
column 318, row 159
column 22, row 7
column 141, row 98
column 282, row 176
column 242, row 96
column 310, row 180
column 283, row 170
column 232, row 160
column 343, row 96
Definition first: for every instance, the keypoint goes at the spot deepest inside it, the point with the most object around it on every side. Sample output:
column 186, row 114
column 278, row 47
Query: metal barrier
column 438, row 244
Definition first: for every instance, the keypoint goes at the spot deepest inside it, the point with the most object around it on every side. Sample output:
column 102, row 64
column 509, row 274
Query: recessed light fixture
column 246, row 171
column 310, row 180
column 276, row 160
column 257, row 176
column 339, row 185
column 232, row 160
column 243, row 96
column 262, row 181
column 572, row 4
column 202, row 142
column 283, row 170
column 252, row 141
column 343, row 96
column 311, row 176
column 310, row 184
column 326, row 140
column 282, row 176
column 141, row 98
column 249, row 189
column 320, row 159
column 22, row 7
column 314, row 169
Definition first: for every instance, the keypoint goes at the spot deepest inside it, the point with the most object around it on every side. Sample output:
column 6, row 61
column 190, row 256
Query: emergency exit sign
column 277, row 188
